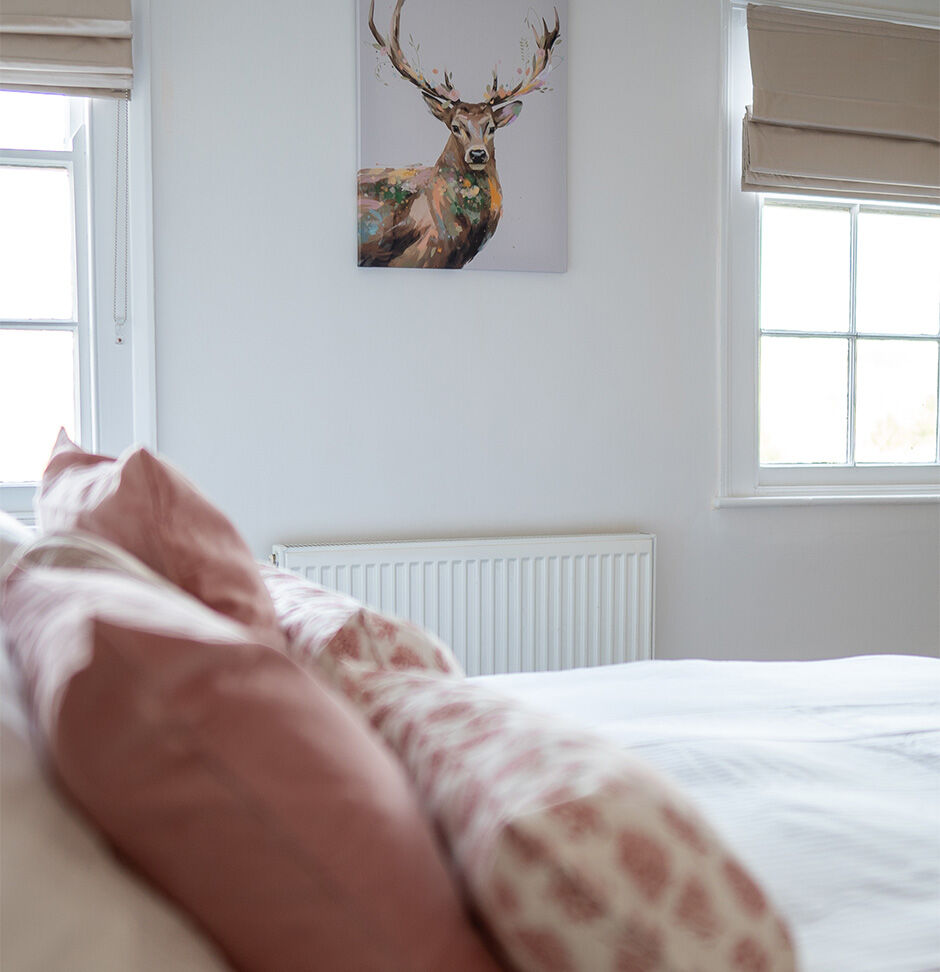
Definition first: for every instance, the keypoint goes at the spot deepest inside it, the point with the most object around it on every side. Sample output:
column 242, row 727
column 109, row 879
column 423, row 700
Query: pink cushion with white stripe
column 578, row 857
column 241, row 785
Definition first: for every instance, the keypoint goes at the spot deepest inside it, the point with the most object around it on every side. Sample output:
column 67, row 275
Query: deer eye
column 455, row 129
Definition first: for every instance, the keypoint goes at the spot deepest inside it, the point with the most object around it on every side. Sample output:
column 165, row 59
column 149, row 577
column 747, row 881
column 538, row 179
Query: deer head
column 472, row 125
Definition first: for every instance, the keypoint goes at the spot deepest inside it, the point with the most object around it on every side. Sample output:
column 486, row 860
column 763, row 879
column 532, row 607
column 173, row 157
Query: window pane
column 36, row 251
column 805, row 262
column 896, row 408
column 898, row 273
column 803, row 400
column 34, row 121
column 37, row 397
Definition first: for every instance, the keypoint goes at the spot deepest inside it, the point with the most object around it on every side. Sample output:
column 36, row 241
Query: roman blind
column 842, row 106
column 77, row 47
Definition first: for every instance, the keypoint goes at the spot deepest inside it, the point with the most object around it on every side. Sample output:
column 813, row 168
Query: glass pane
column 803, row 400
column 34, row 121
column 898, row 273
column 36, row 252
column 896, row 407
column 805, row 262
column 37, row 397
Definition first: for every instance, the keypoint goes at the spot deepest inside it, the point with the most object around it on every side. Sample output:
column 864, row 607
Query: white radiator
column 504, row 605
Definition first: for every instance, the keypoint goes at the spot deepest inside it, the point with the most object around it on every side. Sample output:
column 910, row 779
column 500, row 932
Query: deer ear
column 507, row 114
column 438, row 109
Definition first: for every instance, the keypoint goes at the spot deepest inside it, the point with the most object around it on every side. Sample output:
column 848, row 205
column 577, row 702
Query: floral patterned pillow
column 333, row 633
column 576, row 855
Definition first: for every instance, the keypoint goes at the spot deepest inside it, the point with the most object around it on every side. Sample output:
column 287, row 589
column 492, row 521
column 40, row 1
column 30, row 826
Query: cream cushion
column 13, row 535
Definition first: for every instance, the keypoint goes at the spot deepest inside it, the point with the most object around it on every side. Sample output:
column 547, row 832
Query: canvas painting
column 462, row 134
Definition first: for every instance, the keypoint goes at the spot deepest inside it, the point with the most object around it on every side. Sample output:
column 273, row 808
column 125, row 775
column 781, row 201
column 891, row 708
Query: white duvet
column 823, row 776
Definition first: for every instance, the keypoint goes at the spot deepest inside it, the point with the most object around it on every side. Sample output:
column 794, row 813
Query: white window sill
column 27, row 519
column 16, row 500
column 823, row 499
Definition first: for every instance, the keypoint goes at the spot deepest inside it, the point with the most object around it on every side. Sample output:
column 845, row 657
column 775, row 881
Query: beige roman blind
column 842, row 107
column 78, row 47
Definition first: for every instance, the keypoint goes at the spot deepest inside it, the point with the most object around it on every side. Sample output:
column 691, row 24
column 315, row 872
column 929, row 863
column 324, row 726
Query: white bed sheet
column 823, row 776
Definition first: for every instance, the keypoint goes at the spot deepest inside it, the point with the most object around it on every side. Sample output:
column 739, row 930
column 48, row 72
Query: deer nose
column 477, row 156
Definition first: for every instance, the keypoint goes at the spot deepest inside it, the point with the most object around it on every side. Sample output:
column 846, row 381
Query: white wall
column 316, row 401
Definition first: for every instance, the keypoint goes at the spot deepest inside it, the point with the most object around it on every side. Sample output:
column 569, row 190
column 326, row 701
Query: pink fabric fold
column 147, row 507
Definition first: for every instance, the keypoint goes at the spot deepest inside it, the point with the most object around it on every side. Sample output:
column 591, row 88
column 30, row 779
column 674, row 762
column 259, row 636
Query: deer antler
column 444, row 92
column 497, row 95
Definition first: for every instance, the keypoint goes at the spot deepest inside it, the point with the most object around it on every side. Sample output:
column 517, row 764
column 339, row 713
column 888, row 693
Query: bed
column 824, row 777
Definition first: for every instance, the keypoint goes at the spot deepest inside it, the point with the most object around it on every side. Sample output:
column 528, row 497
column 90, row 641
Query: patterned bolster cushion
column 576, row 855
column 332, row 634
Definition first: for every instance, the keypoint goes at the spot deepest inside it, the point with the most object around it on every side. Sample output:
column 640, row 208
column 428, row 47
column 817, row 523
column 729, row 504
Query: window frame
column 75, row 161
column 742, row 479
column 116, row 366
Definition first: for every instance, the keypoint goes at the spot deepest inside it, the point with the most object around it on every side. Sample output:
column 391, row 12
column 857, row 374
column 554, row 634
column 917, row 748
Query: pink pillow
column 327, row 631
column 68, row 902
column 144, row 505
column 232, row 779
column 577, row 856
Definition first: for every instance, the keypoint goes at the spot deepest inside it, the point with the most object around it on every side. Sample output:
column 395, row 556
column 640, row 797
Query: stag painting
column 442, row 215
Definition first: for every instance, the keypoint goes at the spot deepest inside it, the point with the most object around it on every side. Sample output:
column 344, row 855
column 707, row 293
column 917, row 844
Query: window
column 68, row 351
column 849, row 300
column 831, row 340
